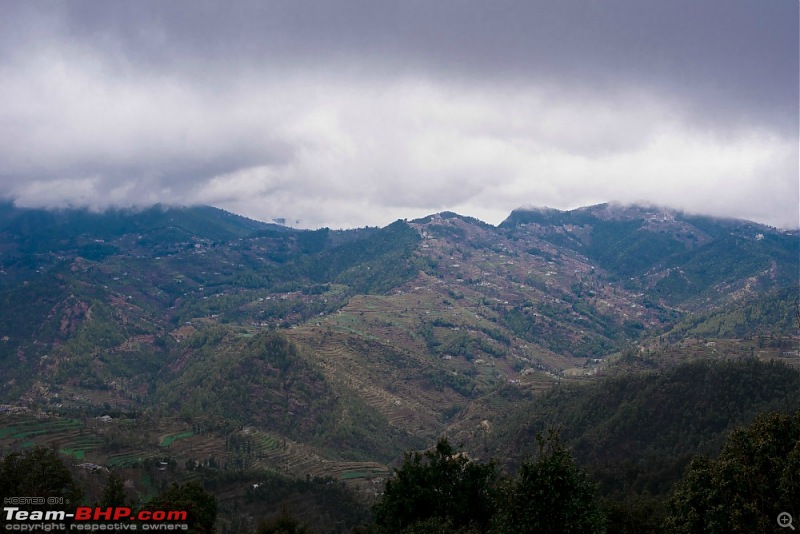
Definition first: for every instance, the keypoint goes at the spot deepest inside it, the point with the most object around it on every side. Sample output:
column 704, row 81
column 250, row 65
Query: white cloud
column 421, row 150
column 352, row 149
column 59, row 192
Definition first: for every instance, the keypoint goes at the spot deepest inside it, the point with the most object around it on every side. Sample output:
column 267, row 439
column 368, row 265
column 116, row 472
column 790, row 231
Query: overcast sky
column 358, row 112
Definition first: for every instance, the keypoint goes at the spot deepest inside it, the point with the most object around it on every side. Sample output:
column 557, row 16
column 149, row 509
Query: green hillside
column 775, row 315
column 637, row 432
column 263, row 381
column 678, row 258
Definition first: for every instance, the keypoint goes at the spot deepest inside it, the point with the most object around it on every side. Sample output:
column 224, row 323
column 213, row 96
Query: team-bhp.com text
column 88, row 518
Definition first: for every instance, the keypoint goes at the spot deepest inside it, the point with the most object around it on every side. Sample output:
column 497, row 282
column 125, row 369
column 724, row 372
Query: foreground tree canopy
column 755, row 478
column 443, row 491
column 201, row 505
column 40, row 472
column 550, row 494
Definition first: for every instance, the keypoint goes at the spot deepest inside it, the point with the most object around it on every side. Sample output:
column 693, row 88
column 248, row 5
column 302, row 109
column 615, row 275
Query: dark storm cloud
column 354, row 112
column 730, row 59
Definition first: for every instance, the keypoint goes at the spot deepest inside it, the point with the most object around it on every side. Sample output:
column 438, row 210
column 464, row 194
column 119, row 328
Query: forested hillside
column 637, row 432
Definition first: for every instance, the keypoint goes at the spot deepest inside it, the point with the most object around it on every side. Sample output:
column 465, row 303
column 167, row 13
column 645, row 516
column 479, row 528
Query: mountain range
column 330, row 352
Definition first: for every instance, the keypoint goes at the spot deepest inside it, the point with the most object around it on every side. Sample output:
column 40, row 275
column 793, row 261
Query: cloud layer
column 353, row 113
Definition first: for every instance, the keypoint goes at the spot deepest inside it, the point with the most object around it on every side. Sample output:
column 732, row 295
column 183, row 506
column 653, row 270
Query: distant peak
column 446, row 215
column 537, row 209
column 618, row 210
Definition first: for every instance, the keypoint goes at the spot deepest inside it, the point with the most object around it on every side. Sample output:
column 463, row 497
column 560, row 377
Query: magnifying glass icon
column 785, row 520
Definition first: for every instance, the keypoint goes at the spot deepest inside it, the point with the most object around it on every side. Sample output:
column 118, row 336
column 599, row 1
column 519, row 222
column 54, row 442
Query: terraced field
column 128, row 459
column 69, row 436
column 245, row 449
column 295, row 459
column 167, row 440
column 387, row 379
column 78, row 446
column 26, row 427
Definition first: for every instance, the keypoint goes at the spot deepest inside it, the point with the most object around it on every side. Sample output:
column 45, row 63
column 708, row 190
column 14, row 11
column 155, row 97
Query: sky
column 360, row 112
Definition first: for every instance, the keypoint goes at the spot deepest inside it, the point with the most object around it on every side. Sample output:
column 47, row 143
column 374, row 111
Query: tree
column 114, row 492
column 441, row 487
column 200, row 505
column 634, row 514
column 550, row 494
column 755, row 478
column 283, row 524
column 39, row 472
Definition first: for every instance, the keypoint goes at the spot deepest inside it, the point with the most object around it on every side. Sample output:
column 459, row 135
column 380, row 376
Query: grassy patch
column 167, row 440
column 78, row 454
